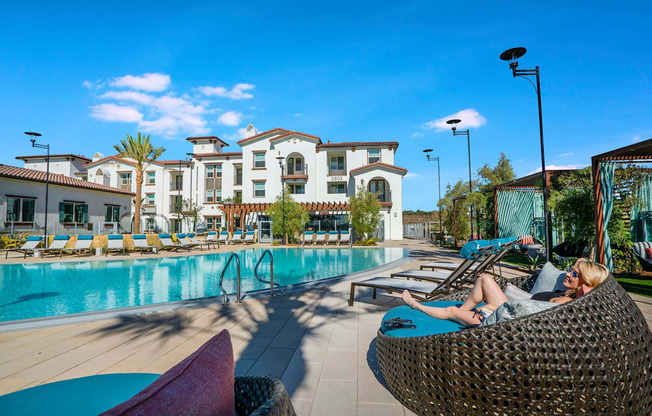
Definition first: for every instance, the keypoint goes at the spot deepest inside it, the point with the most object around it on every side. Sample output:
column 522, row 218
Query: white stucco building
column 320, row 175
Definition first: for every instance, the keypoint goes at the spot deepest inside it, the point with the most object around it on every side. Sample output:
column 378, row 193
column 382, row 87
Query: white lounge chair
column 211, row 237
column 58, row 244
column 140, row 243
column 115, row 243
column 27, row 248
column 236, row 238
column 224, row 237
column 83, row 243
column 333, row 238
column 168, row 243
column 249, row 237
column 184, row 242
column 345, row 237
column 320, row 238
column 201, row 244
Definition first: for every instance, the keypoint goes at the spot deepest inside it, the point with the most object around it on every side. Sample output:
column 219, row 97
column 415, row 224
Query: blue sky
column 86, row 74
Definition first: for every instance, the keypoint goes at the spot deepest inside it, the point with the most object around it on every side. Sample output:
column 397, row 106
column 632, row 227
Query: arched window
column 380, row 187
column 296, row 164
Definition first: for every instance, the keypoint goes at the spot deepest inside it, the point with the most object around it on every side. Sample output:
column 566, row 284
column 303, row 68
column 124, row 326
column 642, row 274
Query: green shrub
column 367, row 242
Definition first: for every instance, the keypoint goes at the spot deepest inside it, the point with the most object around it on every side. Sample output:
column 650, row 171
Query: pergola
column 602, row 169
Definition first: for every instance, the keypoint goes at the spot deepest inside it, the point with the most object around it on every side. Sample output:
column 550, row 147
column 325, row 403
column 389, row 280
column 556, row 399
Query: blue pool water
column 41, row 290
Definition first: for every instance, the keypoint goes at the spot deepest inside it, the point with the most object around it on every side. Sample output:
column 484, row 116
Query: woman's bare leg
column 451, row 313
column 485, row 289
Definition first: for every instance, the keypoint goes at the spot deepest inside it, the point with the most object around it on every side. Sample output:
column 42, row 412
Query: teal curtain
column 638, row 217
column 515, row 213
column 607, row 183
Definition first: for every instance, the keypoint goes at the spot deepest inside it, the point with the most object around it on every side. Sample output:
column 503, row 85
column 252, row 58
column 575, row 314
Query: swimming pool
column 43, row 290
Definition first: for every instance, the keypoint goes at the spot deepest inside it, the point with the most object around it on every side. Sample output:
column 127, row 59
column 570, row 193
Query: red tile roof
column 172, row 162
column 190, row 139
column 67, row 156
column 278, row 129
column 378, row 165
column 199, row 155
column 282, row 136
column 358, row 144
column 119, row 159
column 32, row 175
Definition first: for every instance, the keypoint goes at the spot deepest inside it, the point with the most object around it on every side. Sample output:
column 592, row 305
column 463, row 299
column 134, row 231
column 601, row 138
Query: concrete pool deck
column 322, row 349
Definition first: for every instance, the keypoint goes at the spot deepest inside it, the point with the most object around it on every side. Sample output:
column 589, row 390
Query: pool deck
column 322, row 349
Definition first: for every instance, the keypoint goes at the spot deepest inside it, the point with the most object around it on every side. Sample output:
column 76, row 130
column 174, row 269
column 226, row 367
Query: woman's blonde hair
column 591, row 273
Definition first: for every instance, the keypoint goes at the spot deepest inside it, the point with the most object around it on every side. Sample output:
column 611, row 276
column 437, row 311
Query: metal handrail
column 271, row 273
column 226, row 266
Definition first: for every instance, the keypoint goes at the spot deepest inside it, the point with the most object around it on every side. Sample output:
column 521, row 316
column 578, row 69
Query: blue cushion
column 115, row 237
column 34, row 238
column 212, row 233
column 84, row 237
column 223, row 233
column 426, row 324
column 250, row 233
column 344, row 232
column 139, row 237
column 164, row 236
column 550, row 279
column 237, row 232
column 62, row 237
column 180, row 235
column 309, row 232
column 332, row 232
column 191, row 235
column 321, row 232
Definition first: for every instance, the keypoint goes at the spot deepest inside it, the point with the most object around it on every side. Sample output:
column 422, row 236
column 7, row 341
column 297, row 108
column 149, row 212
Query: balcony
column 385, row 198
column 148, row 209
column 125, row 186
column 176, row 186
column 293, row 173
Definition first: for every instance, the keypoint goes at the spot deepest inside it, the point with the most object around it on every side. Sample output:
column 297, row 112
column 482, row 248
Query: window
column 151, row 178
column 295, row 166
column 218, row 171
column 210, row 195
column 337, row 163
column 298, row 189
column 238, row 175
column 378, row 186
column 213, row 223
column 259, row 160
column 111, row 213
column 259, row 189
column 175, row 204
column 213, row 183
column 150, row 199
column 176, row 181
column 73, row 212
column 125, row 181
column 218, row 195
column 20, row 209
column 337, row 188
column 374, row 155
column 150, row 224
column 210, row 171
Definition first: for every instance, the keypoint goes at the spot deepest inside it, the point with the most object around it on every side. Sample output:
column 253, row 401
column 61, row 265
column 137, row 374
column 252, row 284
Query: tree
column 450, row 204
column 365, row 211
column 142, row 153
column 190, row 212
column 296, row 215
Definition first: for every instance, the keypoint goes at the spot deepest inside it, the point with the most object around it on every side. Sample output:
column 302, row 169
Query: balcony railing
column 125, row 186
column 149, row 209
column 385, row 197
column 291, row 172
column 176, row 186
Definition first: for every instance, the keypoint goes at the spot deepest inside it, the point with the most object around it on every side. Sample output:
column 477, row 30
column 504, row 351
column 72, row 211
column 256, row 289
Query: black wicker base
column 262, row 396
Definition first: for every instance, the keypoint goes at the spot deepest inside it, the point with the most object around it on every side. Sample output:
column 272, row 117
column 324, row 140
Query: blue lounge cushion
column 550, row 279
column 84, row 237
column 115, row 237
column 472, row 248
column 332, row 232
column 164, row 236
column 140, row 237
column 426, row 324
column 212, row 233
column 309, row 232
column 62, row 237
column 34, row 238
column 321, row 232
column 191, row 235
column 344, row 232
column 237, row 232
column 180, row 235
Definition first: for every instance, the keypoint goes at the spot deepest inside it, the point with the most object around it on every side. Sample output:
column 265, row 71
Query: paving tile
column 302, row 407
column 343, row 339
column 242, row 366
column 272, row 362
column 301, row 378
column 340, row 365
column 335, row 398
column 288, row 337
column 252, row 348
column 377, row 409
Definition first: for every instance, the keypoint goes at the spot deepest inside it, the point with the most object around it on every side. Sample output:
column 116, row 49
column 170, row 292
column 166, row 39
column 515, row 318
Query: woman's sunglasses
column 572, row 272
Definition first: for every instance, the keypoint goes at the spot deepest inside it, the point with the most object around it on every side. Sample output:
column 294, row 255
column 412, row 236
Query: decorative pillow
column 512, row 292
column 550, row 279
column 202, row 384
column 513, row 309
column 528, row 239
column 648, row 253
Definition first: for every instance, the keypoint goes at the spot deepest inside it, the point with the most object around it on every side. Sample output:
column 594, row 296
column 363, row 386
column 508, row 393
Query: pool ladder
column 238, row 293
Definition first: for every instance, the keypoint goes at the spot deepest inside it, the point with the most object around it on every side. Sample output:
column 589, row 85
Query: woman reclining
column 583, row 276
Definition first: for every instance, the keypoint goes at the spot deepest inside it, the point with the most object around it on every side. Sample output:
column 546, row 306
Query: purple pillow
column 202, row 384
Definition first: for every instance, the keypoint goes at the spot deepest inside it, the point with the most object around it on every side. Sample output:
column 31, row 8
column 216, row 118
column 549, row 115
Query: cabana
column 603, row 168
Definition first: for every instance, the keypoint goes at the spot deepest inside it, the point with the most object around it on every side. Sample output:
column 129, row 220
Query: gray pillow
column 513, row 309
column 550, row 279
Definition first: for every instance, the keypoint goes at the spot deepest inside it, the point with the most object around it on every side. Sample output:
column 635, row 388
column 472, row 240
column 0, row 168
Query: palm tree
column 142, row 152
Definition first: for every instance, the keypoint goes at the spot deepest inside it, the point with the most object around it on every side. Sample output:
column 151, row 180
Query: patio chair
column 345, row 237
column 9, row 242
column 83, row 243
column 333, row 238
column 224, row 237
column 320, row 238
column 249, row 237
column 167, row 242
column 140, row 244
column 544, row 363
column 116, row 242
column 201, row 244
column 236, row 238
column 211, row 237
column 28, row 248
column 184, row 243
column 307, row 237
column 58, row 244
column 501, row 245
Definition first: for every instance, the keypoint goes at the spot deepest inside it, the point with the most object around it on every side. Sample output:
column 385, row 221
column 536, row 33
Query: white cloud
column 298, row 114
column 113, row 112
column 239, row 135
column 230, row 118
column 636, row 139
column 92, row 85
column 236, row 93
column 417, row 134
column 410, row 175
column 469, row 117
column 566, row 154
column 137, row 97
column 148, row 82
column 560, row 167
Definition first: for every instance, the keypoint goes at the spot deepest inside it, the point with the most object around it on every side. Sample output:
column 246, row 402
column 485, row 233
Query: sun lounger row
column 248, row 237
column 326, row 237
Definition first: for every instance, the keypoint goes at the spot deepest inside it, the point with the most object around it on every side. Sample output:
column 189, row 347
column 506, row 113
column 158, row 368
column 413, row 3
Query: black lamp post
column 47, row 175
column 280, row 164
column 194, row 225
column 512, row 55
column 179, row 201
column 436, row 159
column 453, row 122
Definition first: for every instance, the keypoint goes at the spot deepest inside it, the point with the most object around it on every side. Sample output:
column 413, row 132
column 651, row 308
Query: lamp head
column 512, row 55
column 33, row 133
column 427, row 151
column 453, row 122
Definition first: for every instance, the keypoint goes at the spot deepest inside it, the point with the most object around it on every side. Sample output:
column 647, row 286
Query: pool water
column 43, row 290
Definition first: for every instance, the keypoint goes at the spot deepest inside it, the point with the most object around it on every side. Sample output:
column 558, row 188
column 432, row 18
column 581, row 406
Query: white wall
column 57, row 165
column 392, row 216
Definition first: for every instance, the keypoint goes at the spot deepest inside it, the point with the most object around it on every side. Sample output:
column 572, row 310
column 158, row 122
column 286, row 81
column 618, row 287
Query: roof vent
column 251, row 131
column 97, row 156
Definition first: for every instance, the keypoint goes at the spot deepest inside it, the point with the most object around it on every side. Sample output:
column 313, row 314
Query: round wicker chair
column 590, row 356
column 262, row 396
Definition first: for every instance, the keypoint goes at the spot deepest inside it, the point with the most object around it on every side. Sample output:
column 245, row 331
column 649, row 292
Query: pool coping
column 86, row 317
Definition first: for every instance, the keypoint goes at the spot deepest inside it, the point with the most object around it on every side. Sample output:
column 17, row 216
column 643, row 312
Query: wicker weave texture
column 590, row 356
column 262, row 396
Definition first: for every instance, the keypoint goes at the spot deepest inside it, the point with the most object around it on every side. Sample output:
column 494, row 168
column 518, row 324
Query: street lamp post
column 47, row 175
column 453, row 122
column 280, row 164
column 436, row 159
column 512, row 55
column 194, row 225
column 179, row 201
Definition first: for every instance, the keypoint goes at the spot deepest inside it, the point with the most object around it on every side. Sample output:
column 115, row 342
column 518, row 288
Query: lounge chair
column 115, row 243
column 28, row 248
column 184, row 242
column 333, row 238
column 307, row 237
column 211, row 237
column 58, row 244
column 345, row 238
column 83, row 243
column 320, row 238
column 236, row 238
column 201, row 244
column 224, row 237
column 140, row 244
column 167, row 243
column 503, row 246
column 249, row 237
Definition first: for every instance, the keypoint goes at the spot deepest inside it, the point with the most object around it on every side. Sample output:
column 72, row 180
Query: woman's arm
column 561, row 299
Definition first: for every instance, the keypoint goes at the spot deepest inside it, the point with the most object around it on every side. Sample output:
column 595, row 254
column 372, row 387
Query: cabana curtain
column 515, row 212
column 607, row 170
column 641, row 224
